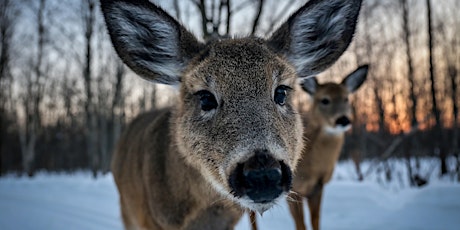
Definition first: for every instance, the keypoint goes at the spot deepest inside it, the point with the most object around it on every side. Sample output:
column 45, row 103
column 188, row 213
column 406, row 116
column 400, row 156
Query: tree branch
column 257, row 17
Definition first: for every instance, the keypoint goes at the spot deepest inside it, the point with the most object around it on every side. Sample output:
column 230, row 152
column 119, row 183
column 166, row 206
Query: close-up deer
column 325, row 123
column 233, row 139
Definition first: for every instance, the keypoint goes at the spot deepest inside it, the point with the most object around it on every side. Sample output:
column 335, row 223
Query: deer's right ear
column 354, row 80
column 151, row 42
column 309, row 85
column 317, row 34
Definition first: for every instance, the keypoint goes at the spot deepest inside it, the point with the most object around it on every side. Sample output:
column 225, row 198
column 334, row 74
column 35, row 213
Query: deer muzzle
column 261, row 178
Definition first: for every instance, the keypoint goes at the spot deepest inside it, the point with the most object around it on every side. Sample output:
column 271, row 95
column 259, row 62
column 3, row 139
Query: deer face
column 234, row 121
column 331, row 107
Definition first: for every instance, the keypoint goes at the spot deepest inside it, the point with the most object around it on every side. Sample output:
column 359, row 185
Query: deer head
column 331, row 108
column 234, row 120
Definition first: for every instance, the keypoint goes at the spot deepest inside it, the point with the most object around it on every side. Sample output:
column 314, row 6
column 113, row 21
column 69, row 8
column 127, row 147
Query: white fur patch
column 337, row 130
column 259, row 207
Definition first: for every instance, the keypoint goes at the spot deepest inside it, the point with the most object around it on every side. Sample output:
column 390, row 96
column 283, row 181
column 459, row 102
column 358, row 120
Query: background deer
column 233, row 138
column 326, row 122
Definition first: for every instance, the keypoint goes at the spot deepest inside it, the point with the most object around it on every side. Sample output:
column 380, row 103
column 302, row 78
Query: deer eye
column 281, row 94
column 207, row 100
column 325, row 101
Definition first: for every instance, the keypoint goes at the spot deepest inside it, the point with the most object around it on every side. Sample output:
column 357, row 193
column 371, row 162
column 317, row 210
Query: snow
column 76, row 201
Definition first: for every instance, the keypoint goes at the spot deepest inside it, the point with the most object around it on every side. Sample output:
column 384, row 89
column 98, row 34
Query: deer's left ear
column 317, row 34
column 354, row 80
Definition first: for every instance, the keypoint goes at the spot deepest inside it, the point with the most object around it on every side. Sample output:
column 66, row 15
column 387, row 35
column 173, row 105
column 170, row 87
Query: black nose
column 343, row 121
column 262, row 178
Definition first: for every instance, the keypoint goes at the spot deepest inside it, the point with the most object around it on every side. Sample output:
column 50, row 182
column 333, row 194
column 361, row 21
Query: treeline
column 65, row 97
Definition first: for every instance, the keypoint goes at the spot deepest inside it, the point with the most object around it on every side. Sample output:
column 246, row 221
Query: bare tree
column 451, row 54
column 7, row 23
column 34, row 95
column 216, row 16
column 211, row 15
column 110, row 96
column 435, row 108
column 116, row 112
column 255, row 22
column 412, row 85
column 8, row 17
column 453, row 75
column 359, row 130
column 409, row 63
column 88, row 16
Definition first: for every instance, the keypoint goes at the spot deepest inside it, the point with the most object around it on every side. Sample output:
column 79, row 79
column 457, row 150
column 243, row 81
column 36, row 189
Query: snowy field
column 77, row 202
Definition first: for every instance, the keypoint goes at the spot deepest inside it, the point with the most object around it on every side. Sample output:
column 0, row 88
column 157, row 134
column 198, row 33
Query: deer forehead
column 242, row 65
column 331, row 91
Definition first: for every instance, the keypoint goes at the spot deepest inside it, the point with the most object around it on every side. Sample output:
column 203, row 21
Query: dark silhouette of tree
column 88, row 16
column 8, row 19
column 435, row 108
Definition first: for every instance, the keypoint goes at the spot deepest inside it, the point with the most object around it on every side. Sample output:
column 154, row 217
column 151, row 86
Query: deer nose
column 262, row 178
column 343, row 121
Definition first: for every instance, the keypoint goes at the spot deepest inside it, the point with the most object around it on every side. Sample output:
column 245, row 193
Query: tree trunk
column 33, row 100
column 410, row 74
column 435, row 109
column 437, row 132
column 229, row 17
column 255, row 22
column 357, row 137
column 204, row 18
column 455, row 129
column 6, row 27
column 452, row 73
column 410, row 67
column 90, row 112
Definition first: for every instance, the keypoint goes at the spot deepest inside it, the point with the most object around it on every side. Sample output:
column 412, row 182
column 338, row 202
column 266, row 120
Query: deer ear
column 354, row 80
column 309, row 85
column 317, row 34
column 151, row 42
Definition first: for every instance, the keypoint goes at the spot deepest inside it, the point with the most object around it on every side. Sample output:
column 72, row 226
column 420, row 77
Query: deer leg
column 296, row 207
column 314, row 204
column 253, row 219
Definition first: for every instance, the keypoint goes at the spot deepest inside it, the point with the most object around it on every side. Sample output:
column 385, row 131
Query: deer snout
column 343, row 121
column 262, row 178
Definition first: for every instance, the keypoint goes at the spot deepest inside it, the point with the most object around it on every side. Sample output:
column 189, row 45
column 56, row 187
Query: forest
column 65, row 96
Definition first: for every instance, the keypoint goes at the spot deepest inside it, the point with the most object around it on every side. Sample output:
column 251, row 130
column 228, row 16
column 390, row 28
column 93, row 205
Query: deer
column 325, row 124
column 233, row 138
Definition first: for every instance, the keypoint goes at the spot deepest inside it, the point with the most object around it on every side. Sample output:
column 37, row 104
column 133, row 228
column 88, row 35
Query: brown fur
column 173, row 167
column 148, row 160
column 322, row 147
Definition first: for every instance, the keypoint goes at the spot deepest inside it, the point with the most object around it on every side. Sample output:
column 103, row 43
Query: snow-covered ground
column 77, row 202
